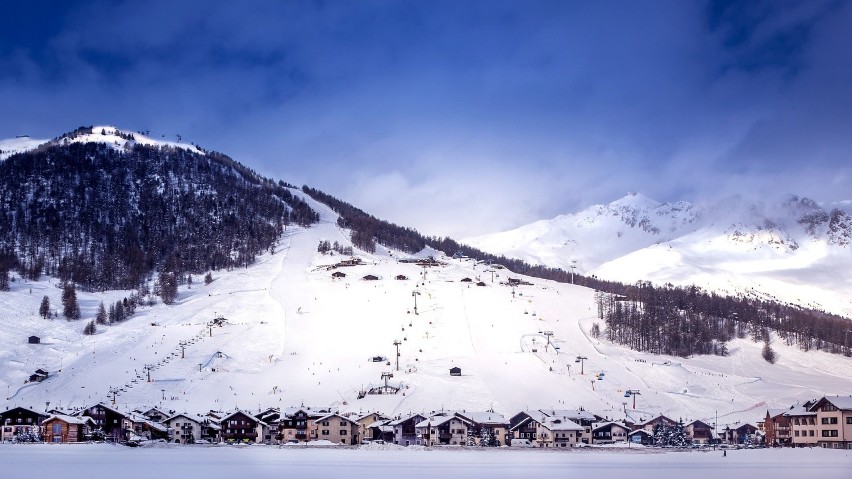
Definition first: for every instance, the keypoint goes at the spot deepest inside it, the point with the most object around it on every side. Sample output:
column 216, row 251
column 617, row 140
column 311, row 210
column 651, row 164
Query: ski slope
column 293, row 335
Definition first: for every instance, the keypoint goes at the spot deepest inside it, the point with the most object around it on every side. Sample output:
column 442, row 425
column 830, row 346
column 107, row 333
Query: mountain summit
column 792, row 249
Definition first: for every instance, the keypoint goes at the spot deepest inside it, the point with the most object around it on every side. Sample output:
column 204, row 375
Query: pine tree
column 90, row 328
column 111, row 315
column 168, row 287
column 4, row 280
column 119, row 312
column 101, row 317
column 208, row 278
column 767, row 353
column 71, row 309
column 44, row 309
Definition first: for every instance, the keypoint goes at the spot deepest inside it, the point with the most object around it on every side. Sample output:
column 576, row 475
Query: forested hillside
column 106, row 217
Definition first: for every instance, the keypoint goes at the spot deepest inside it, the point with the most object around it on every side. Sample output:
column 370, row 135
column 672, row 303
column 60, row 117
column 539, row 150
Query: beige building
column 833, row 422
column 803, row 430
column 558, row 432
column 183, row 429
column 365, row 432
column 337, row 429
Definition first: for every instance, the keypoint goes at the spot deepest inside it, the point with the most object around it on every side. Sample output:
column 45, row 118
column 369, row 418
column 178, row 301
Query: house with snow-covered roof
column 299, row 423
column 699, row 432
column 803, row 427
column 184, row 429
column 365, row 421
column 490, row 427
column 114, row 423
column 337, row 429
column 404, row 429
column 445, row 428
column 833, row 421
column 241, row 427
column 609, row 432
column 579, row 416
column 524, row 425
column 558, row 432
column 20, row 420
column 61, row 428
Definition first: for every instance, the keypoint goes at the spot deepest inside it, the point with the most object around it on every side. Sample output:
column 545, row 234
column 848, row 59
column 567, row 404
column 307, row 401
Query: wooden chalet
column 240, row 427
column 609, row 433
column 338, row 275
column 466, row 280
column 370, row 277
column 525, row 424
column 60, row 428
column 740, row 434
column 20, row 420
column 299, row 424
column 455, row 371
column 113, row 423
column 446, row 429
column 34, row 340
column 401, row 277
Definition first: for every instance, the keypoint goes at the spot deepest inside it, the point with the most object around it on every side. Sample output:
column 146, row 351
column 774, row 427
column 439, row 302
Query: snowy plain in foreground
column 46, row 460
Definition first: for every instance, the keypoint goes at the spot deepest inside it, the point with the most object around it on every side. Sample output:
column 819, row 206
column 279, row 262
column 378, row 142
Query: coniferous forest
column 105, row 217
column 679, row 321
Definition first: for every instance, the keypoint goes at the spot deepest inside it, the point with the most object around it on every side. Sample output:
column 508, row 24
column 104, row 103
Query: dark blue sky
column 459, row 117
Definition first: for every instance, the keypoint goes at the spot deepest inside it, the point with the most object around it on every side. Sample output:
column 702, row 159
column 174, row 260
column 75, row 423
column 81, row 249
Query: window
column 849, row 420
column 325, row 432
column 796, row 433
column 343, row 432
column 811, row 433
column 829, row 433
column 829, row 420
column 325, row 423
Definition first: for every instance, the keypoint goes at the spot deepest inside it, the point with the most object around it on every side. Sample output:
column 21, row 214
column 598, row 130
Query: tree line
column 679, row 321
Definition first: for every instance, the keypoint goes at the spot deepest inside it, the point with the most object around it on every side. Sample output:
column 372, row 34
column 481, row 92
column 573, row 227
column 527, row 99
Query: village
column 825, row 422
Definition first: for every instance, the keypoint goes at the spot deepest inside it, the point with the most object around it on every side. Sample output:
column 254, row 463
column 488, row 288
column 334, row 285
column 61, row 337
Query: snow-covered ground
column 295, row 336
column 261, row 462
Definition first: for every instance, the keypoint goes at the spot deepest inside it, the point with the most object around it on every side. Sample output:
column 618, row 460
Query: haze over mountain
column 791, row 248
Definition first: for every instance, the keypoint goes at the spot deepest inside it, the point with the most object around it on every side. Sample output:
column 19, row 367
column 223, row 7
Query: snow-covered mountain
column 290, row 331
column 109, row 135
column 792, row 249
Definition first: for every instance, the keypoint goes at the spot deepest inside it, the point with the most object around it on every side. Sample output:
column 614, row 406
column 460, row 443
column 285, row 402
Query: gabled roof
column 639, row 431
column 656, row 419
column 329, row 416
column 840, row 402
column 311, row 412
column 364, row 416
column 572, row 414
column 800, row 410
column 36, row 412
column 699, row 423
column 104, row 406
column 70, row 419
column 439, row 420
column 601, row 425
column 184, row 415
column 403, row 419
column 485, row 417
column 234, row 413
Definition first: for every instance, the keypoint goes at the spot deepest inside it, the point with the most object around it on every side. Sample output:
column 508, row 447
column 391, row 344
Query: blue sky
column 459, row 117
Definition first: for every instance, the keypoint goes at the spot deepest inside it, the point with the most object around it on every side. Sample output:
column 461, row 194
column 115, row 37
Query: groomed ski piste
column 293, row 335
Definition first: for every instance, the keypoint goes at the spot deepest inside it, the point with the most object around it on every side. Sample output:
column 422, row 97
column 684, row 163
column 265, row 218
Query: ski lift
column 627, row 394
column 577, row 360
